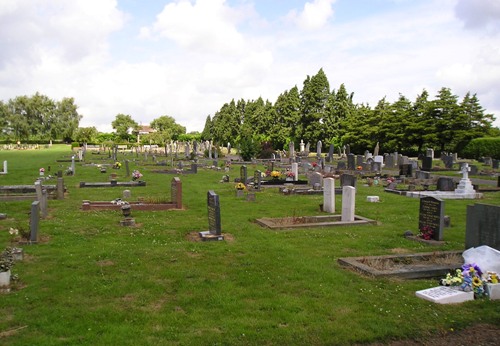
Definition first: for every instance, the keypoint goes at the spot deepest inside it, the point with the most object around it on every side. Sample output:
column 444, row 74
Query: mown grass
column 91, row 281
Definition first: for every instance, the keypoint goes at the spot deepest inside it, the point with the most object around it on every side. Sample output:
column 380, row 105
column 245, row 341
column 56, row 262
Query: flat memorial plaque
column 445, row 295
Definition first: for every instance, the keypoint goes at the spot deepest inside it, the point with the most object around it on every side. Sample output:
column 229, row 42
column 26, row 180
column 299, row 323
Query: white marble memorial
column 329, row 195
column 348, row 203
column 295, row 171
column 445, row 295
column 372, row 199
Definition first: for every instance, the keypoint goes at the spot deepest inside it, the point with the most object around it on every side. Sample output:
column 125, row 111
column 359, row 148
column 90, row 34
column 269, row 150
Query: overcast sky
column 186, row 58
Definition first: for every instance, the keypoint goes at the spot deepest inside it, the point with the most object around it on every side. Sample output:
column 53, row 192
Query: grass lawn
column 91, row 281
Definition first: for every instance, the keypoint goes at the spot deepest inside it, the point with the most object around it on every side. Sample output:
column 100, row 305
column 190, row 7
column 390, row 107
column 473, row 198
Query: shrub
column 481, row 147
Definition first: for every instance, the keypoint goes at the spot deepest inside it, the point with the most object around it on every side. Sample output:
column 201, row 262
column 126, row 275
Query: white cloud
column 314, row 15
column 201, row 54
column 479, row 13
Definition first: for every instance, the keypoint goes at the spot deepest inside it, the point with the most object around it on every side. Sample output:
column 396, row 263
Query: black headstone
column 426, row 163
column 446, row 184
column 432, row 215
column 351, row 163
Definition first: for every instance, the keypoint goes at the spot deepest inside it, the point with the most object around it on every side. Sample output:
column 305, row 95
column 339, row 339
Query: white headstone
column 5, row 167
column 348, row 203
column 295, row 171
column 329, row 195
column 465, row 185
column 445, row 295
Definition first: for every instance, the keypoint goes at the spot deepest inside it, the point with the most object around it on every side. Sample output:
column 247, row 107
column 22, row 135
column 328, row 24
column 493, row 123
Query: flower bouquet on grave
column 275, row 175
column 426, row 233
column 240, row 186
column 469, row 278
column 290, row 176
column 42, row 171
column 136, row 175
column 117, row 165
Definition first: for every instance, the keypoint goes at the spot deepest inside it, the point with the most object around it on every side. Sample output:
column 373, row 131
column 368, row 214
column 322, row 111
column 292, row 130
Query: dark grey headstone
column 446, row 184
column 341, row 165
column 405, row 170
column 427, row 163
column 257, row 179
column 351, row 164
column 495, row 164
column 482, row 226
column 34, row 221
column 431, row 214
column 359, row 160
column 243, row 174
column 348, row 180
column 213, row 206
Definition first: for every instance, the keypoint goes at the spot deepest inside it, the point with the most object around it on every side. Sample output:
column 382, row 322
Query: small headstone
column 495, row 164
column 316, row 178
column 126, row 194
column 445, row 184
column 431, row 214
column 250, row 197
column 405, row 170
column 257, row 179
column 214, row 220
column 243, row 174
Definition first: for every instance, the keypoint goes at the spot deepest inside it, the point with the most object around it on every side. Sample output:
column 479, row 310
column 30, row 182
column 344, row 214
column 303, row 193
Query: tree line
column 318, row 113
column 38, row 118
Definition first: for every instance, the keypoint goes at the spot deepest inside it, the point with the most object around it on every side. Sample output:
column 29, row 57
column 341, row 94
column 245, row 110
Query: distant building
column 144, row 130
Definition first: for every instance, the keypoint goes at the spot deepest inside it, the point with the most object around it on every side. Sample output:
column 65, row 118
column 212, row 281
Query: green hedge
column 482, row 147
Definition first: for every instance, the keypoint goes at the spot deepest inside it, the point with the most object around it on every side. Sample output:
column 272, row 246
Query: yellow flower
column 477, row 282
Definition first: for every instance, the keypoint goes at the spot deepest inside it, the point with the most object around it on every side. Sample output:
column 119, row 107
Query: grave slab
column 445, row 295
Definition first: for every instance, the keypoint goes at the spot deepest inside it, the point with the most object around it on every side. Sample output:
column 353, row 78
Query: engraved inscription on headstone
column 432, row 215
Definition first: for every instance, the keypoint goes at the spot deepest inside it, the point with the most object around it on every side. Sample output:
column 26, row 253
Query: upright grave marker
column 34, row 221
column 257, row 179
column 329, row 195
column 176, row 192
column 243, row 174
column 482, row 226
column 348, row 203
column 214, row 223
column 431, row 215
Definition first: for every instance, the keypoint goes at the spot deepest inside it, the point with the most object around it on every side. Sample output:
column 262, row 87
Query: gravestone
column 176, row 192
column 126, row 194
column 243, row 174
column 431, row 214
column 348, row 203
column 465, row 185
column 351, row 165
column 376, row 166
column 127, row 169
column 348, row 180
column 445, row 184
column 482, row 226
column 427, row 163
column 257, row 179
column 291, row 150
column 34, row 221
column 359, row 160
column 330, row 153
column 5, row 167
column 389, row 161
column 429, row 153
column 214, row 220
column 444, row 295
column 73, row 165
column 347, row 149
column 405, row 170
column 422, row 175
column 194, row 168
column 341, row 165
column 316, row 178
column 448, row 161
column 319, row 145
column 488, row 161
column 495, row 164
column 295, row 171
column 473, row 170
column 329, row 195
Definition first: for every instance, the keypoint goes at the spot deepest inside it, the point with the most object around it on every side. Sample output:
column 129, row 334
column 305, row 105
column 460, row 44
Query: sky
column 186, row 58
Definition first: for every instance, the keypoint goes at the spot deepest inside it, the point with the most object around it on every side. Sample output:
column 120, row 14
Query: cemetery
column 202, row 265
